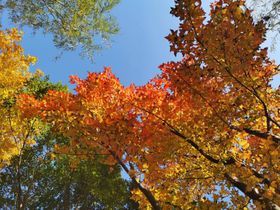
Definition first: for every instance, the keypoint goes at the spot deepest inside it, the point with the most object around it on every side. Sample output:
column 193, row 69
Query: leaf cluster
column 75, row 23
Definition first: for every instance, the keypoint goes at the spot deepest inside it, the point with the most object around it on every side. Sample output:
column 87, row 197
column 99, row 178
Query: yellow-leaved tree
column 15, row 132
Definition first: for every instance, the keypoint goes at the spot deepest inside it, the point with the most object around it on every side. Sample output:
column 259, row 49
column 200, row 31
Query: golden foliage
column 15, row 132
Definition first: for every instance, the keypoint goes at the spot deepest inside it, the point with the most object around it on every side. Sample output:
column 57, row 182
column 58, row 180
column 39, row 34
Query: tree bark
column 66, row 197
column 148, row 194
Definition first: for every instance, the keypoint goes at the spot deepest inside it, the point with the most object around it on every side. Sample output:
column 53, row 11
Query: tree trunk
column 66, row 197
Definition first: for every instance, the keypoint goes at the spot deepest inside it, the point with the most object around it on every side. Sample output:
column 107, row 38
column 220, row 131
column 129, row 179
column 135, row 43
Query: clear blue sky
column 136, row 51
column 135, row 54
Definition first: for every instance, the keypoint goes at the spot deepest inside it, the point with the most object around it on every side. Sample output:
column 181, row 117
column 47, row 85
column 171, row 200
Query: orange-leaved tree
column 202, row 134
column 223, row 109
column 99, row 120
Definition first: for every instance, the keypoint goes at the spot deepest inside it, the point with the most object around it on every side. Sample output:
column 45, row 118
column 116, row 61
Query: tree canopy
column 202, row 134
column 15, row 132
column 61, row 183
column 268, row 10
column 30, row 177
column 73, row 23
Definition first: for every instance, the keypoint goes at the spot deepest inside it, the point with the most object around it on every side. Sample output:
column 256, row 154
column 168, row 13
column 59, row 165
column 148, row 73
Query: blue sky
column 136, row 52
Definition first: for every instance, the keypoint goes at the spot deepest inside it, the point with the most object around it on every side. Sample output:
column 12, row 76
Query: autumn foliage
column 202, row 134
column 14, row 73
